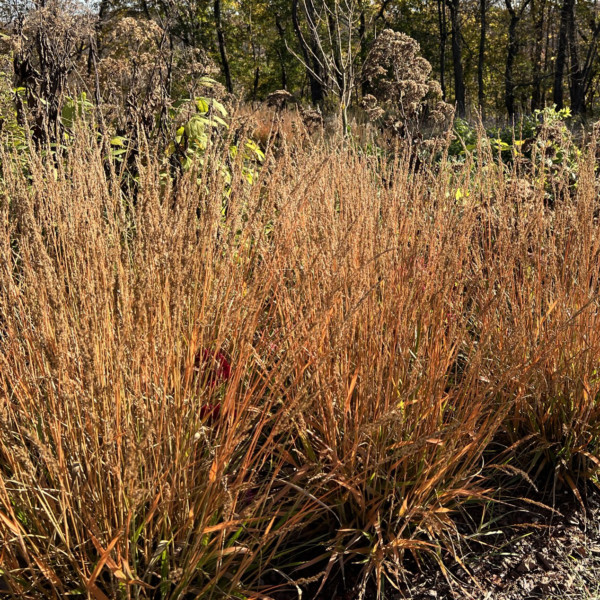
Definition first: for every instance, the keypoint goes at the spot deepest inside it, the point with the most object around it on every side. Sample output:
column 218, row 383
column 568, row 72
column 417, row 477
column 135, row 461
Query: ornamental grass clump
column 238, row 395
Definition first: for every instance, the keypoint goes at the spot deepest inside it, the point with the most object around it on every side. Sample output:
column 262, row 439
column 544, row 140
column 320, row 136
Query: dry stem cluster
column 396, row 339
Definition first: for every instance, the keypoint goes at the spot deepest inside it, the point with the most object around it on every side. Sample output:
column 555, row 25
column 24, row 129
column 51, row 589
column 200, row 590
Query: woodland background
column 501, row 58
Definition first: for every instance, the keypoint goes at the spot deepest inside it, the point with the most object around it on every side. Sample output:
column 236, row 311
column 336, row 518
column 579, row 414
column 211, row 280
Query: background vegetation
column 503, row 59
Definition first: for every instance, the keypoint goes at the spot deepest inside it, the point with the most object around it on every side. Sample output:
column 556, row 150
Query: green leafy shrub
column 203, row 123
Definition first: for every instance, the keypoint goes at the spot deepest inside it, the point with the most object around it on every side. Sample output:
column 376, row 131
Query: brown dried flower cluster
column 44, row 45
column 402, row 96
column 139, row 71
column 130, row 72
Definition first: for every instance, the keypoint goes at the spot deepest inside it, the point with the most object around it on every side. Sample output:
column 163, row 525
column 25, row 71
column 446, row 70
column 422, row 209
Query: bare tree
column 441, row 9
column 309, row 60
column 331, row 56
column 222, row 47
column 538, row 11
column 562, row 51
column 581, row 70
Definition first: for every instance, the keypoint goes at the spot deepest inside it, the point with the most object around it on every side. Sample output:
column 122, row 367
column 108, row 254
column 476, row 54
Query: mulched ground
column 524, row 552
column 537, row 554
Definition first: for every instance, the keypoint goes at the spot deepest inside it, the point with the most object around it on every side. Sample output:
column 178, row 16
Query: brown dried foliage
column 402, row 94
column 46, row 44
column 381, row 328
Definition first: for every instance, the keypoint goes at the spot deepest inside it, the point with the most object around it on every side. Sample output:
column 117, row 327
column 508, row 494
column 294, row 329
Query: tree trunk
column 256, row 80
column 561, row 54
column 318, row 67
column 459, row 83
column 539, row 21
column 281, row 53
column 577, row 81
column 443, row 38
column 588, row 70
column 362, row 36
column 511, row 54
column 222, row 48
column 103, row 10
column 481, row 55
column 283, row 70
column 548, row 52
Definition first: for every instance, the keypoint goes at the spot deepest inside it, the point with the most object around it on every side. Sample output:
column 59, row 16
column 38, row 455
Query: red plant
column 210, row 412
column 214, row 369
column 213, row 366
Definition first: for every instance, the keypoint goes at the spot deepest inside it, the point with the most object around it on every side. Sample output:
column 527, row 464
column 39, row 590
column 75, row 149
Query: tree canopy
column 500, row 57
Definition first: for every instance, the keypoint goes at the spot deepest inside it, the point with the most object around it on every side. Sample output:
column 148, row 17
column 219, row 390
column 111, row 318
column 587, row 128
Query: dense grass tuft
column 205, row 395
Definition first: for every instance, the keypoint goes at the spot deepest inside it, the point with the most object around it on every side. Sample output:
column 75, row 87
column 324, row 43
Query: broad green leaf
column 217, row 105
column 220, row 121
column 202, row 105
column 170, row 149
column 194, row 128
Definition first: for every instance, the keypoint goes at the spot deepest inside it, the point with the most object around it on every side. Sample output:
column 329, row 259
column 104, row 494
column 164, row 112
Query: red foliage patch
column 213, row 366
column 214, row 369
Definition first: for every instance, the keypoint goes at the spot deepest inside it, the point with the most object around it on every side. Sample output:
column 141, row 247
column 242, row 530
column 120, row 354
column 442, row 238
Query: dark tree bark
column 443, row 39
column 256, row 80
column 588, row 70
column 313, row 68
column 95, row 47
column 481, row 55
column 561, row 53
column 381, row 13
column 222, row 48
column 362, row 36
column 256, row 60
column 509, row 84
column 577, row 80
column 548, row 52
column 511, row 55
column 459, row 82
column 539, row 12
column 319, row 68
column 281, row 52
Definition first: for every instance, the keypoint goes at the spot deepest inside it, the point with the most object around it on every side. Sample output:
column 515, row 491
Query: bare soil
column 527, row 550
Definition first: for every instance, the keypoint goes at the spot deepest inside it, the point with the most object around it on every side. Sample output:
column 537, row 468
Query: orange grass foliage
column 381, row 328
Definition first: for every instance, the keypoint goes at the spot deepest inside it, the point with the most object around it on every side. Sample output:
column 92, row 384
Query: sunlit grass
column 379, row 330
